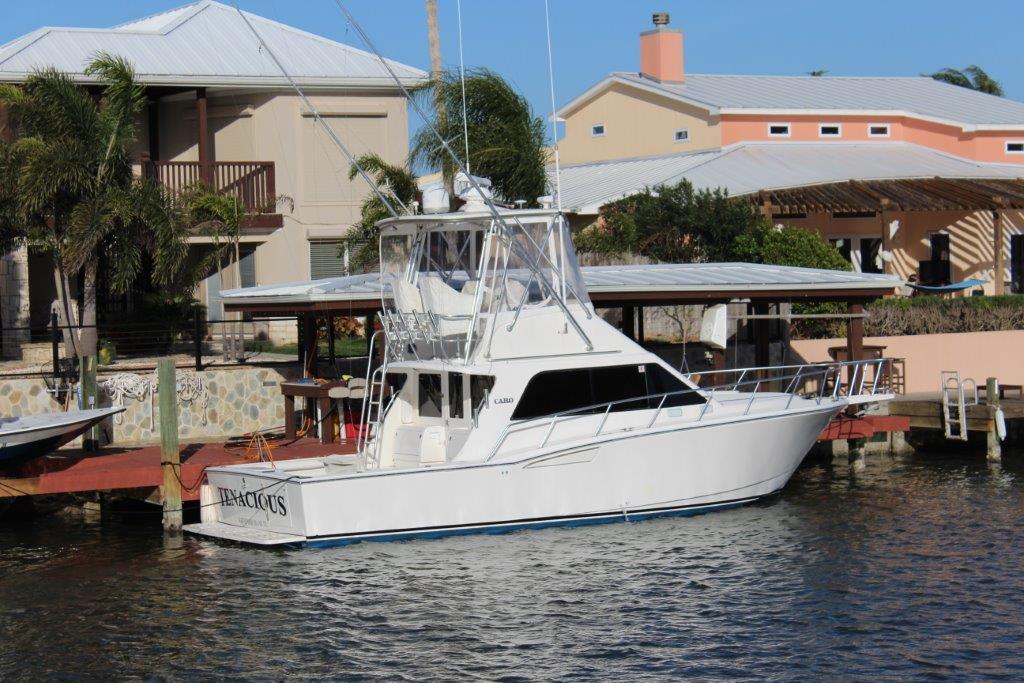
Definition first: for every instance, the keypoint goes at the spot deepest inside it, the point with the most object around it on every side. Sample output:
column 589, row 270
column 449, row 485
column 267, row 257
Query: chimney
column 661, row 51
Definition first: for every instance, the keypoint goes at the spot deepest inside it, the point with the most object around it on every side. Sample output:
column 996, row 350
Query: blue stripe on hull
column 609, row 518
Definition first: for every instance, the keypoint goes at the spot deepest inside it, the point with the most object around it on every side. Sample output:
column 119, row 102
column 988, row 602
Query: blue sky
column 593, row 37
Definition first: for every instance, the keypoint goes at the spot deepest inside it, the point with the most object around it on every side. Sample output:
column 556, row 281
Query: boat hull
column 32, row 437
column 628, row 477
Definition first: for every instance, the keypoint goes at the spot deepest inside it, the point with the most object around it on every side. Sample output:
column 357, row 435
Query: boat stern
column 259, row 503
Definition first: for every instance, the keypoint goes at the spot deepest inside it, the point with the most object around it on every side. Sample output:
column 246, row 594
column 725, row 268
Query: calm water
column 911, row 568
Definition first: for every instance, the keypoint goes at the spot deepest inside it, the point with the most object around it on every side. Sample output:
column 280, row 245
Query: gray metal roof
column 745, row 168
column 918, row 96
column 725, row 278
column 203, row 44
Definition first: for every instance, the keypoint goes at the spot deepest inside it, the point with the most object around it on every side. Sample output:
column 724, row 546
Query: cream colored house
column 220, row 110
column 905, row 175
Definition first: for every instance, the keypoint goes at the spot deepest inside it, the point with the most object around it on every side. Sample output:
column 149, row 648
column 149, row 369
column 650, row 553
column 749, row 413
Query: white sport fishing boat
column 504, row 402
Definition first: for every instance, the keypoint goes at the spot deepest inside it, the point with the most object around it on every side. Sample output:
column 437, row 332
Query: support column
column 1000, row 258
column 854, row 336
column 886, row 242
column 629, row 322
column 640, row 325
column 203, row 121
column 309, row 350
column 15, row 313
column 762, row 339
column 153, row 118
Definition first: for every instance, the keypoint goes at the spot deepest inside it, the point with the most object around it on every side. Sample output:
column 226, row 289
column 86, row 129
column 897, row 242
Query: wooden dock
column 924, row 411
column 113, row 469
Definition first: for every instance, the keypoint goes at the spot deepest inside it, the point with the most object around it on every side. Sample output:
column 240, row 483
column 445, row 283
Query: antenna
column 554, row 117
column 462, row 75
column 319, row 119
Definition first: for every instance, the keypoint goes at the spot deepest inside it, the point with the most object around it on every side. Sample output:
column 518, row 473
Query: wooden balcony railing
column 252, row 182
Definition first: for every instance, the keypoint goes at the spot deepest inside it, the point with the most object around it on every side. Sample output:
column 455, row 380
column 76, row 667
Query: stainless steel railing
column 822, row 382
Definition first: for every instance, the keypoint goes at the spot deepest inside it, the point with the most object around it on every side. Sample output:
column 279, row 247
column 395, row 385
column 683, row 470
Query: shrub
column 934, row 315
column 792, row 246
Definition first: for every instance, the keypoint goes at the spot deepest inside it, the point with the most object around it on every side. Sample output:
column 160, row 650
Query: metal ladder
column 954, row 405
column 373, row 410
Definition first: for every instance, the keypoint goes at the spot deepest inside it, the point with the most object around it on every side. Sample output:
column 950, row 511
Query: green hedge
column 935, row 315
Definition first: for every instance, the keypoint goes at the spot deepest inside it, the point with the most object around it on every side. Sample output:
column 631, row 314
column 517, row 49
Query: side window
column 661, row 381
column 455, row 393
column 620, row 383
column 429, row 398
column 479, row 391
column 555, row 391
column 558, row 391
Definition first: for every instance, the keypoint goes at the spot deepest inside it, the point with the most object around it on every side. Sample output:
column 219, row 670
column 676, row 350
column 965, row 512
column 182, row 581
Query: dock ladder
column 954, row 403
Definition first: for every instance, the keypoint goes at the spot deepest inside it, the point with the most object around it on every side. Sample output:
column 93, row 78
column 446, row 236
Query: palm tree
column 396, row 182
column 69, row 188
column 506, row 139
column 818, row 72
column 973, row 78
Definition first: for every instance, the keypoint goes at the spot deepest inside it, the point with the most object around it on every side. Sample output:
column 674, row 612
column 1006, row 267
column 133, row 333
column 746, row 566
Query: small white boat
column 505, row 402
column 31, row 436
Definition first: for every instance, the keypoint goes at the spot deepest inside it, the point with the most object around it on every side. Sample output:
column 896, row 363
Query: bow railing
column 773, row 388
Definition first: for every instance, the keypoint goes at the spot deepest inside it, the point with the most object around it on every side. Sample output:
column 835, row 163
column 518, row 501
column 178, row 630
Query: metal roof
column 745, row 168
column 917, row 96
column 609, row 282
column 203, row 44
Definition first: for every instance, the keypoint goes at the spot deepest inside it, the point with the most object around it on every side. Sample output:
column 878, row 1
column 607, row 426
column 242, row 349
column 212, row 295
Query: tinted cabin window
column 558, row 391
column 454, row 395
column 430, row 395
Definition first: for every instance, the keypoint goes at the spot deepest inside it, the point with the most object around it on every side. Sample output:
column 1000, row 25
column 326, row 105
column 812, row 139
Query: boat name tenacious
column 252, row 500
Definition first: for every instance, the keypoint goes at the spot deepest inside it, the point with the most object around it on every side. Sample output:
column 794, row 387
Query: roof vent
column 660, row 18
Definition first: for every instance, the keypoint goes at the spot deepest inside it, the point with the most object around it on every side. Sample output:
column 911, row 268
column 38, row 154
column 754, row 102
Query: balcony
column 251, row 182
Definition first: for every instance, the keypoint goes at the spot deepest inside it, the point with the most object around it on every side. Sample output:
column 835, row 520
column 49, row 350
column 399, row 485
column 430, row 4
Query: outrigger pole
column 513, row 245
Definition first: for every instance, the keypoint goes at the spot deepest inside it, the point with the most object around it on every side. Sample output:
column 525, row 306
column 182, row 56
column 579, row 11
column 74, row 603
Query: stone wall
column 14, row 303
column 234, row 401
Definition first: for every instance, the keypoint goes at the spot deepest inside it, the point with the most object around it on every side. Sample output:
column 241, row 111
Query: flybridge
column 465, row 284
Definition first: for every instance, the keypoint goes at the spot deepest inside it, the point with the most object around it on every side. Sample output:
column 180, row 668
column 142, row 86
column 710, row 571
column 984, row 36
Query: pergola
column 629, row 287
column 904, row 194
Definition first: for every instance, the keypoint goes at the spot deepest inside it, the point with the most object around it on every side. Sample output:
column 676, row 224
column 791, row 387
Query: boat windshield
column 446, row 281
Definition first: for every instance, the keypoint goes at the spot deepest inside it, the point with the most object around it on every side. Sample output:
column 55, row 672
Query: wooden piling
column 90, row 398
column 994, row 450
column 170, row 460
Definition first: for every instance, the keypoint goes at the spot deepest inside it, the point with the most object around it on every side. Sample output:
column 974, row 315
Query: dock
column 123, row 469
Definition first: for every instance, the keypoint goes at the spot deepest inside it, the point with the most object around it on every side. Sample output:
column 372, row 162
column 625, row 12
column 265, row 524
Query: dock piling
column 90, row 398
column 994, row 450
column 170, row 460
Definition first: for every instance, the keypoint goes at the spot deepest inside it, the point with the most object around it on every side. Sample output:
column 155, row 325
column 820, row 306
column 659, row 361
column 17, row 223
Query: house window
column 878, row 130
column 1015, row 147
column 597, row 130
column 778, row 130
column 681, row 135
column 326, row 259
column 830, row 130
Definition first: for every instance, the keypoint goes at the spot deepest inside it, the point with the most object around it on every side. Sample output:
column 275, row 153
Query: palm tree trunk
column 89, row 335
column 65, row 314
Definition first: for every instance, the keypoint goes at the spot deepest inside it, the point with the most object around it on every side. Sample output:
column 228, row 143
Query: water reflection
column 909, row 567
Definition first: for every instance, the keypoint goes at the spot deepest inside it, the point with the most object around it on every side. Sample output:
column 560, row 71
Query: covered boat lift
column 628, row 287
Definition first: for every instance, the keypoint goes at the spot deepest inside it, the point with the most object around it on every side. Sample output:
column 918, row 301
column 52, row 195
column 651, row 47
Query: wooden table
column 312, row 393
